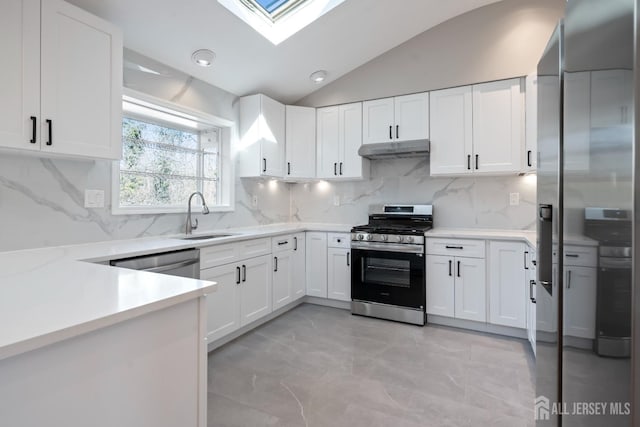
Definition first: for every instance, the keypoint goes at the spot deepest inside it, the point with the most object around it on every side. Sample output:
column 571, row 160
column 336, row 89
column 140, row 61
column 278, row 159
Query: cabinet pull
column 244, row 273
column 335, row 169
column 477, row 157
column 571, row 255
column 529, row 158
column 264, row 164
column 348, row 259
column 450, row 262
column 237, row 275
column 454, row 247
column 525, row 260
column 50, row 123
column 531, row 283
column 289, row 168
column 295, row 243
column 283, row 242
column 397, row 131
column 340, row 168
column 458, row 268
column 468, row 161
column 568, row 279
column 390, row 132
column 33, row 129
column 275, row 261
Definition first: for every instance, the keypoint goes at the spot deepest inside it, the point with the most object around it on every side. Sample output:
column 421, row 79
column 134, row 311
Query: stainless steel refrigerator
column 586, row 184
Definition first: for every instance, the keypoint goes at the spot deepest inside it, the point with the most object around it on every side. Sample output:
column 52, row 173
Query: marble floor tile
column 319, row 366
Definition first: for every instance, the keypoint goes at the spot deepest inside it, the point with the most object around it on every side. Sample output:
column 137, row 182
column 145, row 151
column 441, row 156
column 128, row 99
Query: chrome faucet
column 205, row 210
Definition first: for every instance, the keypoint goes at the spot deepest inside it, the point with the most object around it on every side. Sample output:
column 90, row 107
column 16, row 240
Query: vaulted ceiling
column 343, row 39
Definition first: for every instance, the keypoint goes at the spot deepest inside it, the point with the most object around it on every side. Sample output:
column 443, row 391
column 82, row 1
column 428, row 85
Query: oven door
column 388, row 274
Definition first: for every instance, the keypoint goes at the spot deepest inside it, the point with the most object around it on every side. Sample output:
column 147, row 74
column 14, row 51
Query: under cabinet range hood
column 395, row 150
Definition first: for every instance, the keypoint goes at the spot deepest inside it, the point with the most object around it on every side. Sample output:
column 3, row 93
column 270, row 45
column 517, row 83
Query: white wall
column 42, row 200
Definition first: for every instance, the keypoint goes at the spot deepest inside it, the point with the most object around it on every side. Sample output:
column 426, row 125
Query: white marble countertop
column 527, row 236
column 51, row 294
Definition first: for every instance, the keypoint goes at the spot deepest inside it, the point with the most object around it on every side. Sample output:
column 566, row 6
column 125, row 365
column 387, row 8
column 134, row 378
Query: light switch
column 94, row 198
column 514, row 199
column 254, row 201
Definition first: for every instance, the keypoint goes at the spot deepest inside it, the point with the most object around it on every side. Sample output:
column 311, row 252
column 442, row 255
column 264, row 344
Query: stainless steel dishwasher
column 183, row 263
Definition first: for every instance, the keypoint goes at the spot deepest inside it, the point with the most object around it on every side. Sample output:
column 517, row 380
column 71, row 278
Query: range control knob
column 369, row 236
column 384, row 238
column 360, row 237
column 409, row 239
column 400, row 239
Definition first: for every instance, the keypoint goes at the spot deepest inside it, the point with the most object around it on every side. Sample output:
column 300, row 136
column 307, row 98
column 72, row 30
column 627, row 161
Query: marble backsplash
column 479, row 202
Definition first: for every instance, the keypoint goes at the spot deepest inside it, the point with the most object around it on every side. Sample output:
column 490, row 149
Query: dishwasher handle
column 162, row 268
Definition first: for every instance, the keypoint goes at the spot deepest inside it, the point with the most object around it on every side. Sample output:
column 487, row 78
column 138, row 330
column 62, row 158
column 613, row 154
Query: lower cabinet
column 456, row 287
column 339, row 274
column 507, row 284
column 299, row 270
column 243, row 295
column 316, row 256
column 282, row 278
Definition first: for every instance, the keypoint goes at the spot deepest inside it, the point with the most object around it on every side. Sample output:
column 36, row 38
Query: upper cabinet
column 401, row 118
column 262, row 137
column 530, row 161
column 478, row 129
column 62, row 80
column 339, row 136
column 300, row 147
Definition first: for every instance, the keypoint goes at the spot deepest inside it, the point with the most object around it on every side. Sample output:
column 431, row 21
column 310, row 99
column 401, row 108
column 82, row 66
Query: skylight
column 277, row 20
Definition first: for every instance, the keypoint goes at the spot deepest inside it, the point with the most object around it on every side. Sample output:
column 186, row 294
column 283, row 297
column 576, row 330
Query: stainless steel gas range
column 388, row 270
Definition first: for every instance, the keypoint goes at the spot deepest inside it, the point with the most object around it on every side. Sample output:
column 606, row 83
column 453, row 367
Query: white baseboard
column 346, row 305
column 477, row 326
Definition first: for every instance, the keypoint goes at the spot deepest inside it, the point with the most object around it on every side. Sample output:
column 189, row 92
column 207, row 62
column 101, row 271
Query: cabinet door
column 378, row 121
column 223, row 305
column 299, row 275
column 577, row 121
column 530, row 161
column 300, row 142
column 440, row 286
column 81, row 83
column 611, row 98
column 20, row 82
column 255, row 289
column 351, row 165
column 282, row 278
column 451, row 124
column 580, row 302
column 470, row 289
column 411, row 117
column 316, row 264
column 328, row 142
column 498, row 126
column 507, row 296
column 339, row 274
column 273, row 135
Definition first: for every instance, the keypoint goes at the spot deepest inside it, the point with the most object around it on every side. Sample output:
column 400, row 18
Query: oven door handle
column 388, row 247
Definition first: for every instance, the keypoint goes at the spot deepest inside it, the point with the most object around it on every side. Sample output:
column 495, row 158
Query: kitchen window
column 168, row 153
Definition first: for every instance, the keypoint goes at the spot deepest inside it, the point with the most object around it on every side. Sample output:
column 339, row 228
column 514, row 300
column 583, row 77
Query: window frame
column 228, row 133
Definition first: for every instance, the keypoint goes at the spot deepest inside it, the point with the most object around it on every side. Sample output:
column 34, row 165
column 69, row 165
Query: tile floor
column 319, row 366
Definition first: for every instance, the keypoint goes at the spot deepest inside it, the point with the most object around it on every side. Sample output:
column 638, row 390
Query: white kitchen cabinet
column 282, row 278
column 507, row 284
column 339, row 136
column 451, row 132
column 300, row 147
column 223, row 305
column 63, row 90
column 498, row 126
column 401, row 118
column 339, row 274
column 580, row 302
column 530, row 160
column 299, row 274
column 577, row 121
column 262, row 137
column 316, row 255
column 611, row 98
column 456, row 287
column 255, row 289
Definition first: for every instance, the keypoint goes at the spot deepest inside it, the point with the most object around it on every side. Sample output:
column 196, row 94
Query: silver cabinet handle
column 531, row 283
column 525, row 260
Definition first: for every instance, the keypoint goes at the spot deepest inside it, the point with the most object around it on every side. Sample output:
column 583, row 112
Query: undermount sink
column 207, row 236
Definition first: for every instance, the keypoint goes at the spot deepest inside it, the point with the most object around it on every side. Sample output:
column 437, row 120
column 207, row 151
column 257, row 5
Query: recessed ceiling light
column 318, row 77
column 203, row 57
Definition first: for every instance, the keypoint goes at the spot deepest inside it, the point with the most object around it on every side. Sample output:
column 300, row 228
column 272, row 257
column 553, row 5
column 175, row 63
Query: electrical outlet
column 336, row 200
column 254, row 201
column 94, row 198
column 514, row 199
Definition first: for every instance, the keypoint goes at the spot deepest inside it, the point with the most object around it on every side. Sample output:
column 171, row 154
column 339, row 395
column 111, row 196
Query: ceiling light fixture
column 203, row 57
column 318, row 76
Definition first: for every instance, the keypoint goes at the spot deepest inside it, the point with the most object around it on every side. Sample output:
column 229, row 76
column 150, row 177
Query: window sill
column 167, row 210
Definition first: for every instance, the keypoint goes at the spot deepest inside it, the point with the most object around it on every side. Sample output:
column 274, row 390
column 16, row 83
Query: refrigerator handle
column 545, row 246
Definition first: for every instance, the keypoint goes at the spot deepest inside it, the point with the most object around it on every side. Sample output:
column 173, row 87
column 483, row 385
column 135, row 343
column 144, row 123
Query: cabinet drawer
column 254, row 248
column 281, row 243
column 579, row 256
column 456, row 247
column 339, row 240
column 213, row 256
